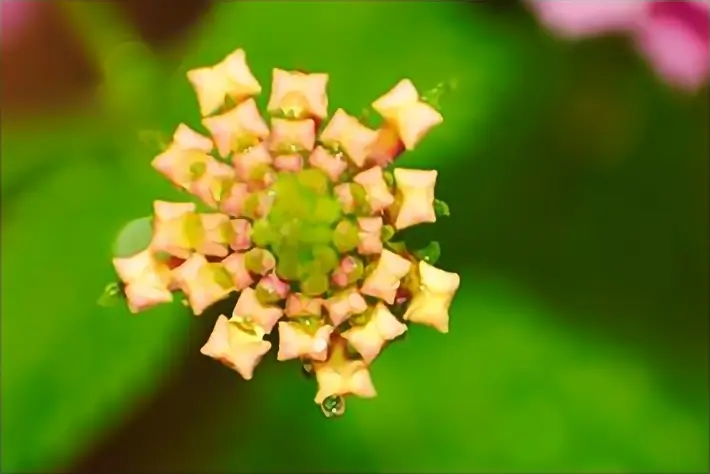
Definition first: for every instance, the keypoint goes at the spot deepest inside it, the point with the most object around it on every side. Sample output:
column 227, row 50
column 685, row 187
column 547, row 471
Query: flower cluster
column 301, row 226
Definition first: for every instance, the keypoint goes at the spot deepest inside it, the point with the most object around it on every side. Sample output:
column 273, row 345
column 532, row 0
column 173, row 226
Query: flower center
column 302, row 229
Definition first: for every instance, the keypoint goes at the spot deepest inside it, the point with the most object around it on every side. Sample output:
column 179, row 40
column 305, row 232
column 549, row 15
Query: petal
column 299, row 305
column 343, row 305
column 366, row 340
column 415, row 190
column 414, row 122
column 210, row 86
column 171, row 232
column 384, row 281
column 233, row 200
column 203, row 283
column 378, row 194
column 218, row 231
column 295, row 342
column 241, row 230
column 588, row 17
column 214, row 182
column 350, row 135
column 299, row 95
column 143, row 266
column 240, row 127
column 340, row 376
column 235, row 348
column 274, row 286
column 430, row 306
column 289, row 136
column 386, row 147
column 250, row 160
column 370, row 235
column 188, row 139
column 291, row 163
column 343, row 192
column 241, row 83
column 677, row 52
column 234, row 264
column 231, row 77
column 333, row 166
column 406, row 113
column 141, row 296
column 249, row 306
column 181, row 166
column 387, row 325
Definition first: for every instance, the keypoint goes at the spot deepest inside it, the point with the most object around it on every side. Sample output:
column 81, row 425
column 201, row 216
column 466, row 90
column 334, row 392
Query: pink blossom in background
column 673, row 35
column 13, row 14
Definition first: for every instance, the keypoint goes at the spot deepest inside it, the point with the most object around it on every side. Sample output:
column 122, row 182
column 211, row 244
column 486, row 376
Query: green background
column 578, row 185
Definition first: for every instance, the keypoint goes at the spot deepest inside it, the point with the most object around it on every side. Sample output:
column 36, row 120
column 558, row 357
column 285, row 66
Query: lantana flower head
column 301, row 229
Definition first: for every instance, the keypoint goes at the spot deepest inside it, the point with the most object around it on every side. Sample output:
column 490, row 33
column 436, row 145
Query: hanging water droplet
column 333, row 406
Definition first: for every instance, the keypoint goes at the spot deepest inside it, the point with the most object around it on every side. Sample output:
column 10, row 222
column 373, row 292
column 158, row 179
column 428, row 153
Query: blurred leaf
column 134, row 237
column 69, row 367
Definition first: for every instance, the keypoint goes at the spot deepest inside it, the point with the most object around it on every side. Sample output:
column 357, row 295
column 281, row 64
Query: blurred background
column 576, row 169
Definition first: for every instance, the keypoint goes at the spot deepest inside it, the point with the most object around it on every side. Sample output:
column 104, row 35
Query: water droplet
column 333, row 406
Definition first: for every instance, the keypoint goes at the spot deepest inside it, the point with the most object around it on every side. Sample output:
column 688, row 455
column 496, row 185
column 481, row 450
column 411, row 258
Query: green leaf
column 70, row 368
column 134, row 237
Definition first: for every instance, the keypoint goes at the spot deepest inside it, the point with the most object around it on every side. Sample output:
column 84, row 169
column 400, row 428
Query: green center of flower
column 305, row 229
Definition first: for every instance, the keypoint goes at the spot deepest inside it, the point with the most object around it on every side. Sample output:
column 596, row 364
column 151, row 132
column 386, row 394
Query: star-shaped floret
column 288, row 136
column 407, row 113
column 238, row 128
column 146, row 280
column 171, row 228
column 296, row 340
column 345, row 132
column 204, row 283
column 385, row 279
column 230, row 78
column 332, row 165
column 377, row 192
column 415, row 190
column 345, row 304
column 341, row 376
column 236, row 267
column 298, row 95
column 430, row 305
column 236, row 346
column 186, row 158
column 370, row 235
column 369, row 339
column 249, row 307
column 299, row 305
